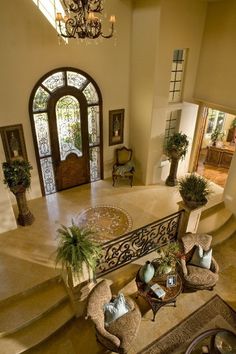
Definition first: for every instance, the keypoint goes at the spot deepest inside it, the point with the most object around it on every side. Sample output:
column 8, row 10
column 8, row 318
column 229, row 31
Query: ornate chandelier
column 81, row 19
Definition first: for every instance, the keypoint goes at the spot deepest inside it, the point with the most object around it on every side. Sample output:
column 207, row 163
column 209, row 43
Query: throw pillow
column 201, row 258
column 115, row 309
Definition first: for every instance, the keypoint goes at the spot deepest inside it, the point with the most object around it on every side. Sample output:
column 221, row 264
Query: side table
column 156, row 303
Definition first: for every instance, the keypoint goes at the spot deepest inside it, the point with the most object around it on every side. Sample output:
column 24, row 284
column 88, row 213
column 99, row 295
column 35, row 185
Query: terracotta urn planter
column 172, row 178
column 25, row 216
column 17, row 177
column 176, row 149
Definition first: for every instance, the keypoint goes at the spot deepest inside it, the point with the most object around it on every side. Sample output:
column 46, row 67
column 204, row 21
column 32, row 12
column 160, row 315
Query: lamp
column 81, row 20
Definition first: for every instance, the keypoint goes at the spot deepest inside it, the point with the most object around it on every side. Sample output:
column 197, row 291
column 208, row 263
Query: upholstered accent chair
column 196, row 277
column 123, row 167
column 119, row 334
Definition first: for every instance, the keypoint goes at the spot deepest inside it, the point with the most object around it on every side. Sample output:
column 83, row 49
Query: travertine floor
column 27, row 257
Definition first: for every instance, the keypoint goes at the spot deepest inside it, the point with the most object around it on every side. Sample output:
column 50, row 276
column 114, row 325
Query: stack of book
column 158, row 291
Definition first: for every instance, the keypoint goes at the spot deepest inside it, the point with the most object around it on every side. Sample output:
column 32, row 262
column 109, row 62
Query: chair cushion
column 125, row 169
column 201, row 258
column 115, row 309
column 200, row 277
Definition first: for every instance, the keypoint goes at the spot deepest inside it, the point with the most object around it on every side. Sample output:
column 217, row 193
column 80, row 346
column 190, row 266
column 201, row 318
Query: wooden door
column 69, row 139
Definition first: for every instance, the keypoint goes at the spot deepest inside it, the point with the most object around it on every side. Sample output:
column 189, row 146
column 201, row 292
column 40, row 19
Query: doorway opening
column 217, row 145
column 66, row 117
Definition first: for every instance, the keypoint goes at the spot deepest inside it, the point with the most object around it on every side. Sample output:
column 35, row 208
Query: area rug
column 107, row 221
column 213, row 314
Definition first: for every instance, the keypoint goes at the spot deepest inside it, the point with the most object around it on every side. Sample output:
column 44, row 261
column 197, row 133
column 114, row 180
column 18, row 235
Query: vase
column 146, row 272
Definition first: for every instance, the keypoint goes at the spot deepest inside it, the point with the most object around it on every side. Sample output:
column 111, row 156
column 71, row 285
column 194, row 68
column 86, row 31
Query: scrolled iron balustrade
column 137, row 243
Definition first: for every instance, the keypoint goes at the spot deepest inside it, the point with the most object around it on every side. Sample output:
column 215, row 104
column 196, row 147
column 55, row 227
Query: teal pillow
column 115, row 309
column 201, row 258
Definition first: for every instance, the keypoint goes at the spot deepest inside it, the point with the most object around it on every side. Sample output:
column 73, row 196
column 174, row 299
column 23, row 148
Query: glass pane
column 48, row 175
column 93, row 125
column 94, row 156
column 173, row 75
column 40, row 100
column 171, row 86
column 179, row 67
column 176, row 97
column 54, row 81
column 69, row 126
column 179, row 75
column 177, row 86
column 75, row 79
column 42, row 134
column 91, row 94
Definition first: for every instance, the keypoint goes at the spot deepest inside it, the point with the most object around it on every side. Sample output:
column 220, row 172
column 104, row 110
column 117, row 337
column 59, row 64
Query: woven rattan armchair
column 118, row 335
column 196, row 277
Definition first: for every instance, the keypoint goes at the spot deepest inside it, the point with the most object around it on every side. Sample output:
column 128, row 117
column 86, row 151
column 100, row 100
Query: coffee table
column 156, row 303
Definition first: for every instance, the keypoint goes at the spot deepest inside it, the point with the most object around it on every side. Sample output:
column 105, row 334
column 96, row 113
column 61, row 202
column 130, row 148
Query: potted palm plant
column 176, row 149
column 194, row 190
column 17, row 177
column 77, row 253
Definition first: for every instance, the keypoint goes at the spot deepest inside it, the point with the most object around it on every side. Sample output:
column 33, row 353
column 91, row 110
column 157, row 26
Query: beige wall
column 145, row 31
column 173, row 25
column 230, row 188
column 29, row 49
column 217, row 71
column 7, row 217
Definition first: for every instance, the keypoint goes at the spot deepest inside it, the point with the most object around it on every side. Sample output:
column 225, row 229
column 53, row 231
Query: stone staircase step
column 22, row 309
column 213, row 218
column 224, row 232
column 37, row 331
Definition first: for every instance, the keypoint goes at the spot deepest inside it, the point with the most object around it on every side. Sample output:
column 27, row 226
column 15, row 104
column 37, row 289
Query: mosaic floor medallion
column 107, row 221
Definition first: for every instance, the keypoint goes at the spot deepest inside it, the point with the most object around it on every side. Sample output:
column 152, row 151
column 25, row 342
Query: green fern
column 75, row 248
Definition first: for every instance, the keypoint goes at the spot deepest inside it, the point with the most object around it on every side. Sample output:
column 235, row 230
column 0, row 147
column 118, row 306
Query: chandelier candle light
column 81, row 20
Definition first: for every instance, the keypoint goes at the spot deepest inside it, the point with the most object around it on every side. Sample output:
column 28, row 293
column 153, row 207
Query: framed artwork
column 116, row 126
column 13, row 142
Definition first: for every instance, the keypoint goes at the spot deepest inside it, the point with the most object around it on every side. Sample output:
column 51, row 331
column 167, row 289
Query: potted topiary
column 17, row 176
column 194, row 190
column 176, row 149
column 77, row 253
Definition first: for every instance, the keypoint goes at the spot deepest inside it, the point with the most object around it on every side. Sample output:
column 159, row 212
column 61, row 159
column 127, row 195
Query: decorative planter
column 25, row 217
column 172, row 178
column 193, row 204
column 74, row 280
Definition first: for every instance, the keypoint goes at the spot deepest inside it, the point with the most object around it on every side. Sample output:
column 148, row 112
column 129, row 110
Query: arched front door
column 69, row 139
column 65, row 108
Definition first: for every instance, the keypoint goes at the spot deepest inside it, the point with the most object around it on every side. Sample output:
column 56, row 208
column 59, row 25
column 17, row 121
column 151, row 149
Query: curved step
column 224, row 232
column 213, row 218
column 37, row 331
column 23, row 309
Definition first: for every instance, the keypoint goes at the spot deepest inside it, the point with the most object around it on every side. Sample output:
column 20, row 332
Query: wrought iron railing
column 137, row 243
